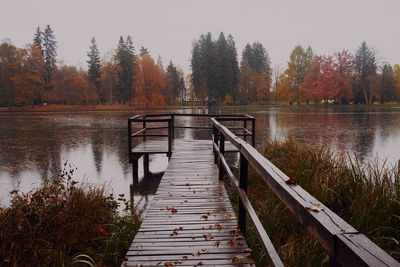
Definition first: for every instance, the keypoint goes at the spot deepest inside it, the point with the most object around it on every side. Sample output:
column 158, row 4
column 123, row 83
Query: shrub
column 62, row 224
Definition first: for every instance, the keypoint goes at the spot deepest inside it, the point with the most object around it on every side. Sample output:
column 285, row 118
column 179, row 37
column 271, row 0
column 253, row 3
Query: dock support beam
column 135, row 171
column 146, row 169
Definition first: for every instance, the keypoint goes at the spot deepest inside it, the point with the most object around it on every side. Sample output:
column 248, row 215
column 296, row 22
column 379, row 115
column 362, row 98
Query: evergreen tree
column 126, row 60
column 38, row 39
column 94, row 65
column 214, row 67
column 365, row 67
column 49, row 52
column 143, row 51
column 255, row 73
column 234, row 67
column 388, row 84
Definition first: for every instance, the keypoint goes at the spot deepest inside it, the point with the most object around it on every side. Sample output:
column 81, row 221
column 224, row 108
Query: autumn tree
column 29, row 79
column 148, row 82
column 125, row 58
column 365, row 68
column 298, row 65
column 9, row 55
column 108, row 78
column 94, row 66
column 71, row 87
column 344, row 67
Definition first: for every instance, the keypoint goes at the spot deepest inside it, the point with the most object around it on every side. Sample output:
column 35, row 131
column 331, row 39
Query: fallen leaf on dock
column 292, row 182
column 237, row 257
column 208, row 237
column 316, row 208
column 198, row 253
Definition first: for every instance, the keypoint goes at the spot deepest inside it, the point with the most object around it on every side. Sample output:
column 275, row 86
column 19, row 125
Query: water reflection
column 37, row 145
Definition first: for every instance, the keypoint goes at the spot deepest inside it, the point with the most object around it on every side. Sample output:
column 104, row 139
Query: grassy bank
column 366, row 196
column 63, row 224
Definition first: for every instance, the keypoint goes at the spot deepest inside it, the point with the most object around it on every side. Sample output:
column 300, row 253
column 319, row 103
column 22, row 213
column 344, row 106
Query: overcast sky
column 168, row 27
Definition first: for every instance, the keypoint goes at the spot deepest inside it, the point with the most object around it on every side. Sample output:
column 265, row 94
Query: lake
column 36, row 145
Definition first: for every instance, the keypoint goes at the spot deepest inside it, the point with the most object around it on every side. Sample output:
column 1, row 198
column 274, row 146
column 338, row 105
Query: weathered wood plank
column 190, row 213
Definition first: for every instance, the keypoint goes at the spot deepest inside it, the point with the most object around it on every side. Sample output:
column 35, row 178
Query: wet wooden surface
column 190, row 221
column 161, row 146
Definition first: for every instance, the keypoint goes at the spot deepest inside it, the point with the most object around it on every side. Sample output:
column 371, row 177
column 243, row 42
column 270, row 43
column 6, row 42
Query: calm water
column 34, row 145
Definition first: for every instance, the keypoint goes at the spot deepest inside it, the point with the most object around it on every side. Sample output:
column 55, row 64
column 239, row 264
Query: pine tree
column 234, row 67
column 49, row 52
column 143, row 51
column 126, row 61
column 38, row 39
column 365, row 66
column 94, row 64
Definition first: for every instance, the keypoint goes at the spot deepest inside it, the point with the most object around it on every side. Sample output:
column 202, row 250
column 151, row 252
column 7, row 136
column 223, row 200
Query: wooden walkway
column 190, row 221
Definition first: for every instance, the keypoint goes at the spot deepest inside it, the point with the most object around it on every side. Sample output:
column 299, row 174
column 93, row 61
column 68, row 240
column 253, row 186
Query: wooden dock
column 190, row 221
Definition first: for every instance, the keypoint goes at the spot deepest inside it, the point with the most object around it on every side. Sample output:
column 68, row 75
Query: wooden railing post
column 173, row 126
column 244, row 165
column 222, row 151
column 144, row 127
column 169, row 138
column 129, row 141
column 245, row 127
column 253, row 132
column 215, row 140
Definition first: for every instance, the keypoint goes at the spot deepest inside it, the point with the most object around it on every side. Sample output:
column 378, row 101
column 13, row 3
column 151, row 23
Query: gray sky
column 168, row 27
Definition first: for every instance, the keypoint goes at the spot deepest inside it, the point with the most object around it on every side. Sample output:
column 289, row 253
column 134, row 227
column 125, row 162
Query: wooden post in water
column 242, row 185
column 135, row 167
column 222, row 151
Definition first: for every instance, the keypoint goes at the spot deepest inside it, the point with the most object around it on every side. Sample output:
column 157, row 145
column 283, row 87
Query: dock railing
column 345, row 245
column 147, row 120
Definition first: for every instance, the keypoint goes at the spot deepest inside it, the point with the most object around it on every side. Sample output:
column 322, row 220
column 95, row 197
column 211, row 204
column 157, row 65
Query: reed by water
column 367, row 196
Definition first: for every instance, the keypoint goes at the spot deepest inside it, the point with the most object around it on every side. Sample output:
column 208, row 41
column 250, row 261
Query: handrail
column 345, row 244
column 145, row 119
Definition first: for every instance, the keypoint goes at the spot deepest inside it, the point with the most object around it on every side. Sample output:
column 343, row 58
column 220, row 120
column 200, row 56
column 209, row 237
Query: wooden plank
column 202, row 217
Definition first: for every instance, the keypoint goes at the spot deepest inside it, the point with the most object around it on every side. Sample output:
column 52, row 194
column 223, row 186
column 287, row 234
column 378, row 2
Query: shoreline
column 80, row 108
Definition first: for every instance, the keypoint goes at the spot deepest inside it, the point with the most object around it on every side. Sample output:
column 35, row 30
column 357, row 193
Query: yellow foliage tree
column 148, row 82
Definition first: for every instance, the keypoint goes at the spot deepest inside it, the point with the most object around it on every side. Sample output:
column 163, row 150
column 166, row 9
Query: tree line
column 339, row 78
column 32, row 75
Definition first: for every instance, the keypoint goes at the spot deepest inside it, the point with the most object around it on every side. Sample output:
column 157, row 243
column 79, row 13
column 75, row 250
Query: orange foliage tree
column 148, row 82
column 329, row 78
column 29, row 78
column 70, row 87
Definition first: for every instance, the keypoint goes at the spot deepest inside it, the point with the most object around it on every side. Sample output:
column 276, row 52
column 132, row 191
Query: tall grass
column 62, row 224
column 367, row 196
